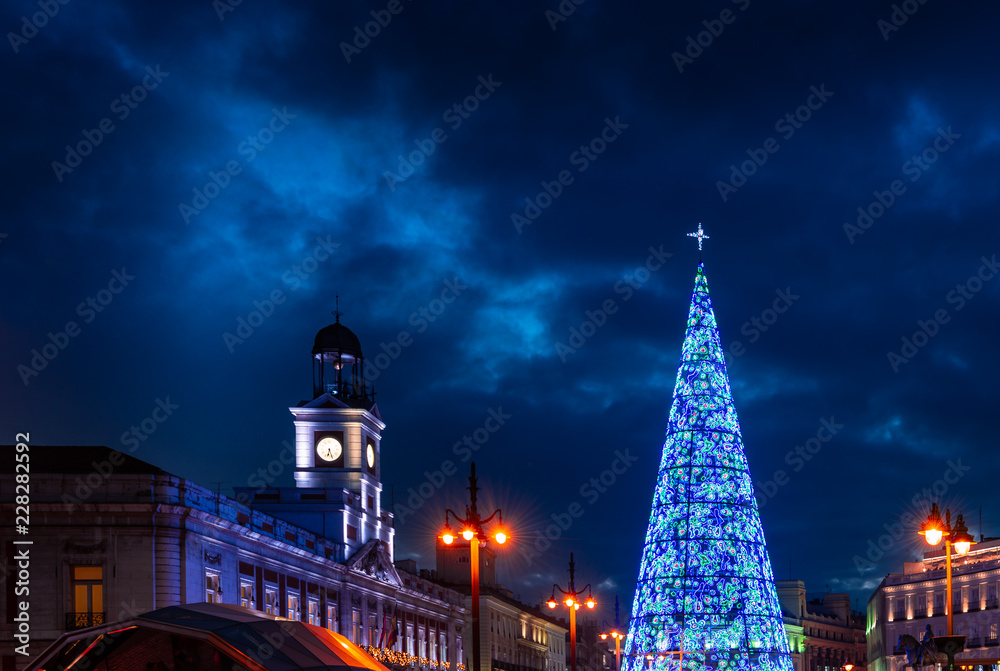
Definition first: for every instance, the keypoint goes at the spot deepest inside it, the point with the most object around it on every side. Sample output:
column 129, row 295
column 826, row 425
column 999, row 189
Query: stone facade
column 823, row 633
column 113, row 537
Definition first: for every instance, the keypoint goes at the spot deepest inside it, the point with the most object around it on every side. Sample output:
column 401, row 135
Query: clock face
column 371, row 456
column 329, row 449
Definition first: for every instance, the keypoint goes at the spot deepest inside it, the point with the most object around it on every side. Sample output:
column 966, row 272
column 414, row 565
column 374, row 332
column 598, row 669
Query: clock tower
column 338, row 436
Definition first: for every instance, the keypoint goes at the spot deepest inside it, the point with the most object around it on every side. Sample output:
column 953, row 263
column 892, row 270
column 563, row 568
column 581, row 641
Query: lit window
column 331, row 616
column 356, row 626
column 293, row 606
column 246, row 594
column 270, row 599
column 213, row 591
column 312, row 612
column 88, row 596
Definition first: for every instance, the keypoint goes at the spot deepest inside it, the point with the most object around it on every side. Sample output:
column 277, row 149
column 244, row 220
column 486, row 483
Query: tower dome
column 337, row 338
column 338, row 363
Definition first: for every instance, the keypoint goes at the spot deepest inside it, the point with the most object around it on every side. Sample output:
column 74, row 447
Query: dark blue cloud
column 390, row 246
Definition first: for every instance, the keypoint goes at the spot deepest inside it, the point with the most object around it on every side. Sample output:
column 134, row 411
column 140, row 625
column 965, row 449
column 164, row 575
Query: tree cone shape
column 705, row 596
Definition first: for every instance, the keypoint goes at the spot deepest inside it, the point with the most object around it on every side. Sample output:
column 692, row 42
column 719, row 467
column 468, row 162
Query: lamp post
column 933, row 531
column 472, row 531
column 618, row 636
column 572, row 602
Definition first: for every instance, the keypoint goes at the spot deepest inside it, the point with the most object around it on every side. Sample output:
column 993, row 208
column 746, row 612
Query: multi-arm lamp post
column 471, row 529
column 618, row 636
column 933, row 531
column 571, row 599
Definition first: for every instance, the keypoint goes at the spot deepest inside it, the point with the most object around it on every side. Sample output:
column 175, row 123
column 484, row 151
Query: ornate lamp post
column 933, row 531
column 571, row 599
column 472, row 531
column 618, row 636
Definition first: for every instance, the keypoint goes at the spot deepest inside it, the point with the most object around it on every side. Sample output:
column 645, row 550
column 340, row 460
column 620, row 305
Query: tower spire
column 705, row 597
column 336, row 312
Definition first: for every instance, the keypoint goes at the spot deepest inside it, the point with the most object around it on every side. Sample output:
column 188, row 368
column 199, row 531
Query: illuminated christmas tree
column 705, row 597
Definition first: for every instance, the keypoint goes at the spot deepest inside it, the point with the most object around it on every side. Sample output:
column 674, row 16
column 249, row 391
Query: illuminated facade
column 907, row 602
column 114, row 537
column 705, row 596
column 823, row 633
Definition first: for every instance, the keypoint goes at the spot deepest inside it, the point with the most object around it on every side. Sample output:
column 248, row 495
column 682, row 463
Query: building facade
column 113, row 537
column 823, row 633
column 513, row 636
column 907, row 602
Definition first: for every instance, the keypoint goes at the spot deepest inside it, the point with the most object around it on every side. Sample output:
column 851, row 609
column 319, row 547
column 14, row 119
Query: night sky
column 506, row 189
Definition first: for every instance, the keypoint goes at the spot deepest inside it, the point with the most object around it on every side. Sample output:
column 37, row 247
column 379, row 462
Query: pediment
column 372, row 559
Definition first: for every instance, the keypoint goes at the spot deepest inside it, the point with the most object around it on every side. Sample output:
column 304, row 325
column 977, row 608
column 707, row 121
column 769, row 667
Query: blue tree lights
column 705, row 596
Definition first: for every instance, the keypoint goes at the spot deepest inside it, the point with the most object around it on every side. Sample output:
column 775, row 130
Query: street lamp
column 572, row 601
column 618, row 636
column 472, row 530
column 933, row 531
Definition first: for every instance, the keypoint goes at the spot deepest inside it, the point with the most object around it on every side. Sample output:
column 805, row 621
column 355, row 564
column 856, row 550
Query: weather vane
column 700, row 234
column 336, row 313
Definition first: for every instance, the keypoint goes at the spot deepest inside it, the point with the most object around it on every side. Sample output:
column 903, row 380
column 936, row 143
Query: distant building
column 905, row 603
column 113, row 537
column 823, row 633
column 514, row 636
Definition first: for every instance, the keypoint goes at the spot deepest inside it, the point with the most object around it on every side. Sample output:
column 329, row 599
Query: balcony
column 920, row 612
column 82, row 620
column 974, row 643
column 991, row 603
column 991, row 642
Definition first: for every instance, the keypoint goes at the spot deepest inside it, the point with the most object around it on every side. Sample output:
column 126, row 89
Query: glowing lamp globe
column 604, row 637
column 500, row 537
column 933, row 536
column 467, row 534
column 551, row 603
column 590, row 602
column 448, row 538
